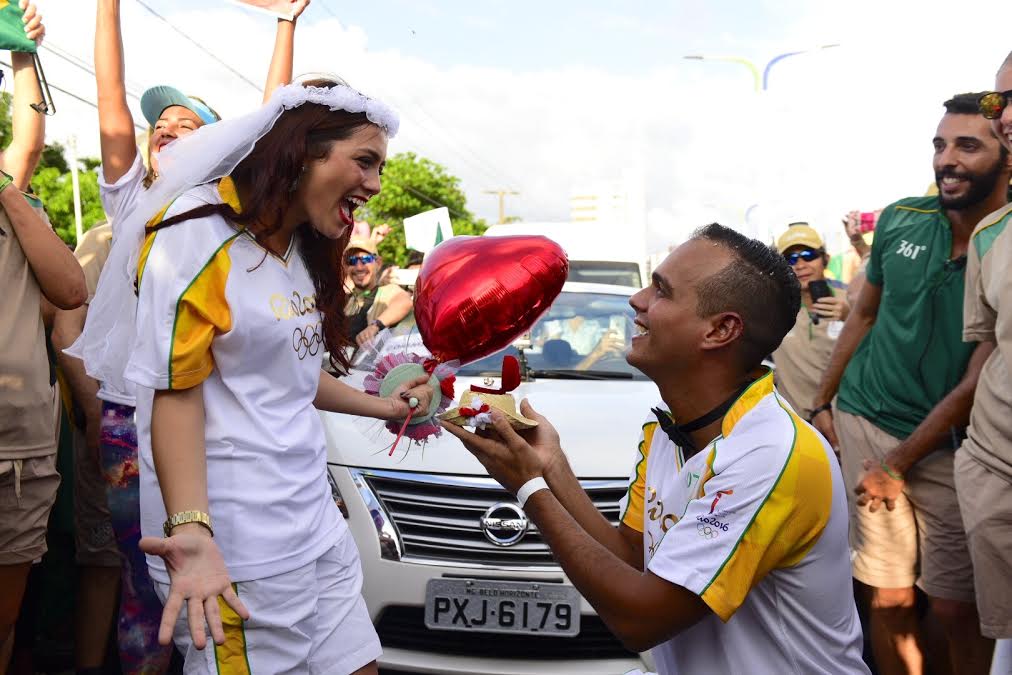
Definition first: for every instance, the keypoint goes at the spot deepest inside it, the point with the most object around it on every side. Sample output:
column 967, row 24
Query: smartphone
column 617, row 326
column 818, row 289
column 867, row 222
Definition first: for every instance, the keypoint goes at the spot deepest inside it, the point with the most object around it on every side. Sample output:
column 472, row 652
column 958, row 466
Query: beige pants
column 985, row 500
column 27, row 494
column 922, row 540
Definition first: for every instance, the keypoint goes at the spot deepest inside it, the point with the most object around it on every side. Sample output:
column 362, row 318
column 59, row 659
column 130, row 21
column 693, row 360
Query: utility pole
column 501, row 194
column 78, row 224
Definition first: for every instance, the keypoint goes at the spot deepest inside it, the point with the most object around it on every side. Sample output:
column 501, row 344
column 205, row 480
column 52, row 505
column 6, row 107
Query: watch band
column 184, row 517
column 379, row 324
column 529, row 488
column 816, row 411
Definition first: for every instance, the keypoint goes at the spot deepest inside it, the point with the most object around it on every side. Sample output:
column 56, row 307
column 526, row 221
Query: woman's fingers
column 170, row 614
column 231, row 599
column 213, row 615
column 195, row 616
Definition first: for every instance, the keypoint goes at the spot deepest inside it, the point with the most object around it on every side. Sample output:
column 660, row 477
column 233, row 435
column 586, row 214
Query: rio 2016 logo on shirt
column 709, row 527
column 290, row 308
column 909, row 250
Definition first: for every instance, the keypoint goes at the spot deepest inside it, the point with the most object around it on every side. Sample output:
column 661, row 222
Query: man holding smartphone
column 906, row 382
column 804, row 354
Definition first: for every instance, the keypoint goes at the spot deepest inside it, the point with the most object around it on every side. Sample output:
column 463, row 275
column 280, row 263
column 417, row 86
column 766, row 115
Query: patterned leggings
column 140, row 611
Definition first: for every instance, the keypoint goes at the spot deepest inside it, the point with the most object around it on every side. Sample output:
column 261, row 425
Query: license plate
column 483, row 606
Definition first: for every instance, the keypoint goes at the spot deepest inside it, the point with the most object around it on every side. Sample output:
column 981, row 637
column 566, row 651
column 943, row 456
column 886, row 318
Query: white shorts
column 310, row 620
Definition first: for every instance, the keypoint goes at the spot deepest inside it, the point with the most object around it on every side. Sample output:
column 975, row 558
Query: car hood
column 599, row 422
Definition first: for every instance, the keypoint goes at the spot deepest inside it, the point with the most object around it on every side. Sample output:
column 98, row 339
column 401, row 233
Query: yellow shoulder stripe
column 784, row 528
column 202, row 312
column 633, row 516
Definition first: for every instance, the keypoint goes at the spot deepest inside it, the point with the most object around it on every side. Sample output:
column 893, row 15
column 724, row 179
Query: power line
column 71, row 94
column 328, row 10
column 201, row 47
column 69, row 58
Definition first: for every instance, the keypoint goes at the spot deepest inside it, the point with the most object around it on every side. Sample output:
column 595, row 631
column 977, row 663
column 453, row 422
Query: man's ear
column 724, row 330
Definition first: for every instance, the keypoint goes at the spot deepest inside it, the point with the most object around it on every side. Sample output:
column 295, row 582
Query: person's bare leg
column 370, row 669
column 969, row 651
column 894, row 632
column 12, row 579
column 97, row 606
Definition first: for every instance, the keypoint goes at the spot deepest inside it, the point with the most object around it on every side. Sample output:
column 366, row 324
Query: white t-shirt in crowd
column 118, row 199
column 215, row 308
column 755, row 524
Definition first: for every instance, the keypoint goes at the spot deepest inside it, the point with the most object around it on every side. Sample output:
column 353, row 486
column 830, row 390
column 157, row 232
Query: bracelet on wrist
column 818, row 410
column 891, row 472
column 5, row 180
column 186, row 517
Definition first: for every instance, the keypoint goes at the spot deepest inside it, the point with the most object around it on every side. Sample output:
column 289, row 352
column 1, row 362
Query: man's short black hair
column 964, row 104
column 415, row 257
column 759, row 286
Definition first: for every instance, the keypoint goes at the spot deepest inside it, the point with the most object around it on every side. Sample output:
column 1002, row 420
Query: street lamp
column 760, row 80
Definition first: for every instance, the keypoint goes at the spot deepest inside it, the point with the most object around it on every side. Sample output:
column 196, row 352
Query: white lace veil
column 209, row 153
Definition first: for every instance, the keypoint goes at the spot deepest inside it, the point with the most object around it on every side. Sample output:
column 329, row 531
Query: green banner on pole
column 12, row 29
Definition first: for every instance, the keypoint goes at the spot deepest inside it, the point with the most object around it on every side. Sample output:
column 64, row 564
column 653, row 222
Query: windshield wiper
column 562, row 374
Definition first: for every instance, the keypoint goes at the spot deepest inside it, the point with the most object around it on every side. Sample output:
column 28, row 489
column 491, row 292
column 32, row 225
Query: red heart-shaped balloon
column 476, row 295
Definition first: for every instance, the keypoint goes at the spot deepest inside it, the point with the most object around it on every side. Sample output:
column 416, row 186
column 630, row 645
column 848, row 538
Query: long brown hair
column 266, row 181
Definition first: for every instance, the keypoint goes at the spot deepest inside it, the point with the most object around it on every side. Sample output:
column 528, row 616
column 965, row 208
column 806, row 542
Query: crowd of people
column 178, row 353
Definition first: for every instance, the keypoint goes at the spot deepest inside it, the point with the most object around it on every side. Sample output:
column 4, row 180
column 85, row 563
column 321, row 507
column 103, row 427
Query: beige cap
column 362, row 244
column 800, row 234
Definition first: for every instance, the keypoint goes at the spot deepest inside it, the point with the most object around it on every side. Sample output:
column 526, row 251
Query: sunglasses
column 993, row 103
column 808, row 255
column 365, row 259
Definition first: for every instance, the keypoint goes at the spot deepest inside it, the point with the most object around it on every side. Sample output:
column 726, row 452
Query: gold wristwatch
column 184, row 517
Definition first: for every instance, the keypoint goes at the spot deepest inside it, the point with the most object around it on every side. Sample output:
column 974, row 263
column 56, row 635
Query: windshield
column 581, row 332
column 605, row 272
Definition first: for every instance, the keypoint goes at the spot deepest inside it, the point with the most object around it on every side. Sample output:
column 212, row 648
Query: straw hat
column 505, row 403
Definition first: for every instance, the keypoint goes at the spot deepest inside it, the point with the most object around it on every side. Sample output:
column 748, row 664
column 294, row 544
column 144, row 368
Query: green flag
column 12, row 29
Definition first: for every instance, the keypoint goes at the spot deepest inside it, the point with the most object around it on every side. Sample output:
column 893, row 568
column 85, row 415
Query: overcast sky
column 545, row 97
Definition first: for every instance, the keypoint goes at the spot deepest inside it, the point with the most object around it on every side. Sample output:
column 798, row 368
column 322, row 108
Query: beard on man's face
column 981, row 186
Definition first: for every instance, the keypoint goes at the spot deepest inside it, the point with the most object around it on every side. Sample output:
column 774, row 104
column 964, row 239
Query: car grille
column 404, row 628
column 437, row 518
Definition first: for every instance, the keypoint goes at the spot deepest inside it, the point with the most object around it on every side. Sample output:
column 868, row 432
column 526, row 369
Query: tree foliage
column 411, row 185
column 53, row 184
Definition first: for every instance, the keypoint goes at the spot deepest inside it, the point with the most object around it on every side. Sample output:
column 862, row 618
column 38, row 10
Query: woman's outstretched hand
column 197, row 577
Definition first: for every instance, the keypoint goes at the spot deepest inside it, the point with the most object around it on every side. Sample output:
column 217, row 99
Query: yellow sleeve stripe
column 915, row 210
column 780, row 534
column 633, row 516
column 231, row 657
column 201, row 312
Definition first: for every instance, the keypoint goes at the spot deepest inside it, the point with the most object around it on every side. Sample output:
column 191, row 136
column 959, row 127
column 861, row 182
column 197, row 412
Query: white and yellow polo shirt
column 756, row 525
column 216, row 308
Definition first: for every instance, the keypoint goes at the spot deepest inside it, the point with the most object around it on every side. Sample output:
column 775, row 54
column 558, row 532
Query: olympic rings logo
column 706, row 531
column 307, row 341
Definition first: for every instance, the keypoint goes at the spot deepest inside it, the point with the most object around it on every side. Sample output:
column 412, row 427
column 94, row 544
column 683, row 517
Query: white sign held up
column 424, row 231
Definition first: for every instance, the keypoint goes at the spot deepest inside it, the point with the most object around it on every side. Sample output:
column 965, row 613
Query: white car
column 457, row 580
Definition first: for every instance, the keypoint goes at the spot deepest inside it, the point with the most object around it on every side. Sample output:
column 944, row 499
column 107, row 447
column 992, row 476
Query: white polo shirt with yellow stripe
column 216, row 308
column 756, row 525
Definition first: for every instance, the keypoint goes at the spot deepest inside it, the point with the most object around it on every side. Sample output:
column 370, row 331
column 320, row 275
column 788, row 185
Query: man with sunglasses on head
column 804, row 354
column 984, row 462
column 371, row 307
column 906, row 381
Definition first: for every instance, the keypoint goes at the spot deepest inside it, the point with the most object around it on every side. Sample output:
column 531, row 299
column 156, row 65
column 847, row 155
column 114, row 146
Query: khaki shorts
column 985, row 500
column 94, row 538
column 27, row 494
column 922, row 540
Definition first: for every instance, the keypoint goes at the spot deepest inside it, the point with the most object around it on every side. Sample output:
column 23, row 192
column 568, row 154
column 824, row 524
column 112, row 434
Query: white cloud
column 838, row 129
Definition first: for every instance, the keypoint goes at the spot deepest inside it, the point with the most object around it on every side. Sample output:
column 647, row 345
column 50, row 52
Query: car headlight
column 389, row 541
column 336, row 493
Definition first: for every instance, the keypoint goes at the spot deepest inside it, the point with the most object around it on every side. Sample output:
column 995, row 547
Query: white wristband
column 529, row 488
